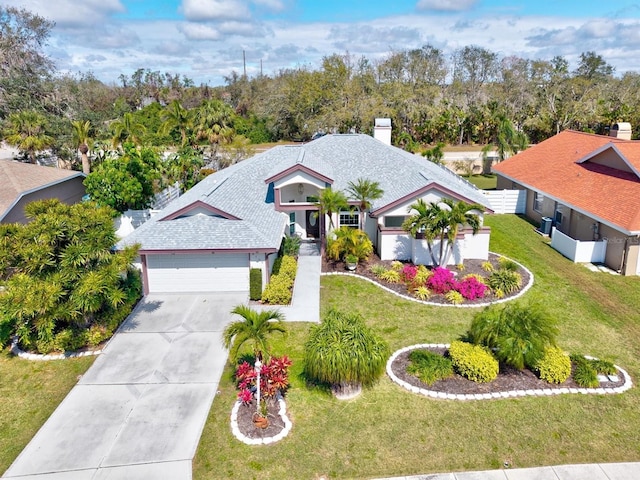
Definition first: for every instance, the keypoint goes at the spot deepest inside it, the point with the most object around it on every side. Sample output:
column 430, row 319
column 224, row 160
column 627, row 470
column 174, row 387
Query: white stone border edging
column 424, row 302
column 495, row 395
column 261, row 441
column 51, row 356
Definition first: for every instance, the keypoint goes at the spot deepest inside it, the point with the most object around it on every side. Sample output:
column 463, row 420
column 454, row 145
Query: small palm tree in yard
column 255, row 328
column 364, row 192
column 344, row 353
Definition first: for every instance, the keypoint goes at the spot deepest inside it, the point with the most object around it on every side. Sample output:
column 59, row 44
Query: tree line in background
column 474, row 96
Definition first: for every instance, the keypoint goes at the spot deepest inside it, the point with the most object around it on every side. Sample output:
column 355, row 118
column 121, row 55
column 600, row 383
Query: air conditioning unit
column 545, row 225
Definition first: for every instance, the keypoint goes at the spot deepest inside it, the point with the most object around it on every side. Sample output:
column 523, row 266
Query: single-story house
column 235, row 219
column 22, row 183
column 587, row 187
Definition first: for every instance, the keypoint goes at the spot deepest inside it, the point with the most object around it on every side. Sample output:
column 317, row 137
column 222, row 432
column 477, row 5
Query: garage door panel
column 198, row 273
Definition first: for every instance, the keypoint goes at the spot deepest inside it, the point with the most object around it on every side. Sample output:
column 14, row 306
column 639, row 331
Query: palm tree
column 128, row 129
column 441, row 221
column 328, row 202
column 82, row 140
column 364, row 191
column 213, row 123
column 255, row 328
column 27, row 131
column 428, row 221
column 508, row 141
column 458, row 213
column 350, row 241
column 343, row 352
column 177, row 117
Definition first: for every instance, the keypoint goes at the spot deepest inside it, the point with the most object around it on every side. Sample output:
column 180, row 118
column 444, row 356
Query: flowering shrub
column 409, row 273
column 471, row 288
column 274, row 378
column 442, row 281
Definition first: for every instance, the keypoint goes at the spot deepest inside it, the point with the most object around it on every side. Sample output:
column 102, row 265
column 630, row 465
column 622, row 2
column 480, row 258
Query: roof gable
column 313, row 171
column 609, row 155
column 195, row 206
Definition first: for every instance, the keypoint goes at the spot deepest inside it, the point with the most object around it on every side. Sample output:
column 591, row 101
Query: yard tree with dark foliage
column 63, row 285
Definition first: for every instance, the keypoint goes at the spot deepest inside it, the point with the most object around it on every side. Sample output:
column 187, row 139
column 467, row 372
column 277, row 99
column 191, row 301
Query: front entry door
column 313, row 224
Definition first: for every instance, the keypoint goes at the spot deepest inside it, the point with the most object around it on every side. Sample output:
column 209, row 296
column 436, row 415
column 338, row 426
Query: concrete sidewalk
column 305, row 304
column 594, row 471
column 139, row 411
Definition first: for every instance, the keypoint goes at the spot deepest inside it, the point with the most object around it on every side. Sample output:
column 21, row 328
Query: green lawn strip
column 30, row 392
column 389, row 431
column 483, row 182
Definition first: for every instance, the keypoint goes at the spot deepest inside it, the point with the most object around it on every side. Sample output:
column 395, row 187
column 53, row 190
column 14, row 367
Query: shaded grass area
column 389, row 431
column 29, row 393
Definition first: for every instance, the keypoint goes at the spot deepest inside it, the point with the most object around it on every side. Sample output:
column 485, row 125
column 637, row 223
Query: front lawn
column 389, row 431
column 483, row 182
column 29, row 393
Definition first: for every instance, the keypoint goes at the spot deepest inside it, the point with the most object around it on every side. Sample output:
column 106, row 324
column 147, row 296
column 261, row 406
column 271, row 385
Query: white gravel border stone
column 261, row 441
column 628, row 383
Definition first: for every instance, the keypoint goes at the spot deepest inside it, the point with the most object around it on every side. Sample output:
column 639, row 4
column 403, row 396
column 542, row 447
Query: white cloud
column 203, row 10
column 446, row 5
column 71, row 13
column 199, row 31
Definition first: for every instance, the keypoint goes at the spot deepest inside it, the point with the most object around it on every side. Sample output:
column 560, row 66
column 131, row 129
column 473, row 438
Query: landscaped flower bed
column 473, row 282
column 509, row 379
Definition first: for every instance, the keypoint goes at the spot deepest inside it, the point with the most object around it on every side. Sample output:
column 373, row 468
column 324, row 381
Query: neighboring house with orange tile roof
column 22, row 183
column 589, row 185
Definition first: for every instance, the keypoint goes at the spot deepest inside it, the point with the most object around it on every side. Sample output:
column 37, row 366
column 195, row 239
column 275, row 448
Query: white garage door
column 218, row 272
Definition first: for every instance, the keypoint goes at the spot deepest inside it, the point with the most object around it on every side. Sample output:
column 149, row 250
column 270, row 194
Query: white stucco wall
column 395, row 247
column 476, row 246
column 420, row 252
column 431, row 195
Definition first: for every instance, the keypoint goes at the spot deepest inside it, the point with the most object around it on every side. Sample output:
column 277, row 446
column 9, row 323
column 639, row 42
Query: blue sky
column 204, row 39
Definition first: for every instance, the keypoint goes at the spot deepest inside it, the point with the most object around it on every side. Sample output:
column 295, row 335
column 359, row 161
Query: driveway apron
column 139, row 411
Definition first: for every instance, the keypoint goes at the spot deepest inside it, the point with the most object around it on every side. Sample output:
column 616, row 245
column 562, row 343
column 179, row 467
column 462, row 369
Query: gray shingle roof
column 241, row 191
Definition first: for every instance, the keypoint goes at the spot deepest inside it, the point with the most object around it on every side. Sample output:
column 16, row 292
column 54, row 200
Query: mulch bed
column 470, row 266
column 248, row 429
column 508, row 379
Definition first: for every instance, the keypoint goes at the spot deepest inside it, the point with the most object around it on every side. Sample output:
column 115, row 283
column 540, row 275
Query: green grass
column 29, row 392
column 389, row 431
column 483, row 182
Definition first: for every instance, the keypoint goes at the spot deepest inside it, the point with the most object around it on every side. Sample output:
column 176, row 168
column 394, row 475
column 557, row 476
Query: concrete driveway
column 138, row 412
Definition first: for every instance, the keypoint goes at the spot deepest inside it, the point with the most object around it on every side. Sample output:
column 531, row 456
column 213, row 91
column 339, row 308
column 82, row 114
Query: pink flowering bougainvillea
column 442, row 281
column 274, row 378
column 471, row 288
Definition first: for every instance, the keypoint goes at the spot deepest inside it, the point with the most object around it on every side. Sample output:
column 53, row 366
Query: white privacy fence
column 507, row 201
column 576, row 250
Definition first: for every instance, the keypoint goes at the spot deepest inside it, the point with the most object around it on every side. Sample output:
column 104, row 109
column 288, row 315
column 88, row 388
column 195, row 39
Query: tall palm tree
column 255, row 328
column 213, row 121
column 329, row 202
column 82, row 140
column 127, row 129
column 343, row 352
column 427, row 221
column 177, row 117
column 27, row 131
column 364, row 191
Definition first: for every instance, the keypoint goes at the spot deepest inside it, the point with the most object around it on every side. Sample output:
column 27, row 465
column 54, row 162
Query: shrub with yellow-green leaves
column 473, row 362
column 554, row 366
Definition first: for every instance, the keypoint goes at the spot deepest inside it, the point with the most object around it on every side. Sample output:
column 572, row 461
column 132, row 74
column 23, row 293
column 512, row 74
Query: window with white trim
column 349, row 219
column 538, row 200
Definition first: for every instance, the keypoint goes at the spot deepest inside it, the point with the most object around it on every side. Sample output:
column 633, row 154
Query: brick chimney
column 382, row 130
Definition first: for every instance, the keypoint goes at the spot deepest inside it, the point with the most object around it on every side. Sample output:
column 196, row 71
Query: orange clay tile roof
column 551, row 167
column 17, row 178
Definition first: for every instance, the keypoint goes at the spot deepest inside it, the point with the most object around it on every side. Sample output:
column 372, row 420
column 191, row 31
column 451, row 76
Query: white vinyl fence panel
column 507, row 201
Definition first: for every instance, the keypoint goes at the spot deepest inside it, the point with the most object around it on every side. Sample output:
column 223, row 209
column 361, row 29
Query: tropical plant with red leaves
column 274, row 378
